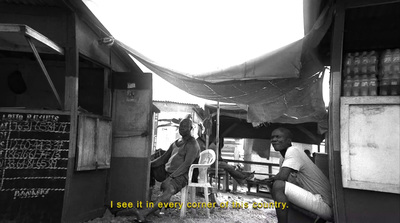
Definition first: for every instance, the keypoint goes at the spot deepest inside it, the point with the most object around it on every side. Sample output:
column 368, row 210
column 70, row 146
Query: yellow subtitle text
column 209, row 205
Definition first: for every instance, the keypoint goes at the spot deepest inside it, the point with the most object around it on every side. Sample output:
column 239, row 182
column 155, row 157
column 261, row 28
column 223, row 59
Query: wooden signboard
column 370, row 144
column 33, row 165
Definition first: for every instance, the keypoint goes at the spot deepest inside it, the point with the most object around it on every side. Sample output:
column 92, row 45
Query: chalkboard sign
column 33, row 165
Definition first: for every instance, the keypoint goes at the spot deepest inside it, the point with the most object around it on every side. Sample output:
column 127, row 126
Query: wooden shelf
column 382, row 100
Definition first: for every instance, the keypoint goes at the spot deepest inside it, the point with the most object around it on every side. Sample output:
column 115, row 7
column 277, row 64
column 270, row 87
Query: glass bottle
column 395, row 79
column 355, row 90
column 386, row 72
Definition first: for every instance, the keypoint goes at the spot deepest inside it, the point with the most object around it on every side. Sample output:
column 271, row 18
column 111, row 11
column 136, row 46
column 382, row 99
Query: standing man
column 299, row 180
column 175, row 164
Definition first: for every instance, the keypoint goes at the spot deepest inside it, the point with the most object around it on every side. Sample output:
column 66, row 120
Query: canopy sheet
column 233, row 125
column 280, row 86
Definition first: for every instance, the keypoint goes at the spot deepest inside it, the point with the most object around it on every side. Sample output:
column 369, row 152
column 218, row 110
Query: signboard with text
column 33, row 165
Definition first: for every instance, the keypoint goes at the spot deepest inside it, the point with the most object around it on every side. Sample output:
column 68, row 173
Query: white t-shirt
column 309, row 175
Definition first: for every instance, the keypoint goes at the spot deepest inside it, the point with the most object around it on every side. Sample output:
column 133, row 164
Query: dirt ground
column 230, row 214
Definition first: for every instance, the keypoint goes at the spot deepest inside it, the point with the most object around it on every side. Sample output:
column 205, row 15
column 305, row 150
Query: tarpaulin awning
column 233, row 124
column 284, row 85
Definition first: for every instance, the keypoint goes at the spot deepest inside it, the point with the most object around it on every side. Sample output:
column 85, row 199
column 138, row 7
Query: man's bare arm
column 162, row 159
column 284, row 175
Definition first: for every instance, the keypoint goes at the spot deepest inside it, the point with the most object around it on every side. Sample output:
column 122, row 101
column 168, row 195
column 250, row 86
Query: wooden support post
column 35, row 52
column 217, row 142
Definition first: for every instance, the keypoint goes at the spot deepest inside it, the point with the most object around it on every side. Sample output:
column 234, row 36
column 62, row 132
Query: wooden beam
column 333, row 143
column 71, row 105
column 35, row 52
column 365, row 3
column 217, row 141
column 26, row 31
column 251, row 162
column 43, row 39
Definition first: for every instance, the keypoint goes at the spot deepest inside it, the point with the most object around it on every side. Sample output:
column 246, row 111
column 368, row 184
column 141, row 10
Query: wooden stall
column 364, row 115
column 67, row 146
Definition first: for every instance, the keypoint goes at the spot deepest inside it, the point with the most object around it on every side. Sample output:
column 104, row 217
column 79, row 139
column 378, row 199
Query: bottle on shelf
column 364, row 82
column 386, row 72
column 373, row 71
column 356, row 64
column 395, row 79
column 364, row 74
column 347, row 74
column 373, row 63
column 373, row 85
column 364, row 62
column 348, row 65
column 355, row 90
column 347, row 86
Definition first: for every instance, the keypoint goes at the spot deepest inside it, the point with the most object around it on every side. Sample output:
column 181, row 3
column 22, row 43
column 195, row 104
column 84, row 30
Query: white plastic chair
column 207, row 158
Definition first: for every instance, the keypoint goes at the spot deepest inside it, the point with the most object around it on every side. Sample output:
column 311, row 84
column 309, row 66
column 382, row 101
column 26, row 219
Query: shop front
column 67, row 144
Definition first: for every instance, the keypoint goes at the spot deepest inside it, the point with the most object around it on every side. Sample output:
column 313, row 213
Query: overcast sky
column 200, row 36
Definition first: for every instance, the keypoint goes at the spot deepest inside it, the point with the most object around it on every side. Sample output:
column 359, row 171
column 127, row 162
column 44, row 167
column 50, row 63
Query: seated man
column 299, row 180
column 172, row 167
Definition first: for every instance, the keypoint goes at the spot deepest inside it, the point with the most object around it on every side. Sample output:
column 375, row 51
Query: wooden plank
column 370, row 100
column 25, row 30
column 71, row 104
column 39, row 60
column 251, row 162
column 23, row 110
column 104, row 144
column 217, row 135
column 365, row 138
column 107, row 101
column 86, row 144
column 43, row 39
column 94, row 142
column 260, row 194
column 364, row 3
column 334, row 115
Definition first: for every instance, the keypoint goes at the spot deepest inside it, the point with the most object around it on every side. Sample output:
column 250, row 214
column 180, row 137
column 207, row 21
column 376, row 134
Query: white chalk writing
column 31, row 193
column 33, row 147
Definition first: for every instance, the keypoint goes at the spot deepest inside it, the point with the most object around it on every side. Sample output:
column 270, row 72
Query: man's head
column 185, row 126
column 281, row 139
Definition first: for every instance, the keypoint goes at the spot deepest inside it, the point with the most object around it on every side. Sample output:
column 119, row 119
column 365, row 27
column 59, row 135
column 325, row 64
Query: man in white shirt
column 299, row 180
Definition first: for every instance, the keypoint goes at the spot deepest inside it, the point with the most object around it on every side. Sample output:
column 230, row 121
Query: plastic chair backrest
column 207, row 157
